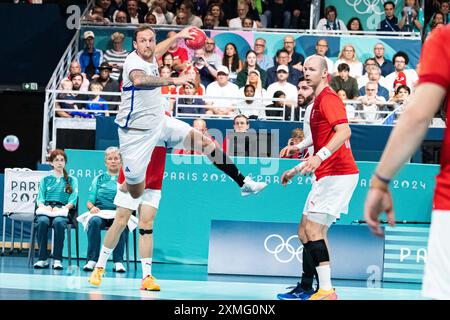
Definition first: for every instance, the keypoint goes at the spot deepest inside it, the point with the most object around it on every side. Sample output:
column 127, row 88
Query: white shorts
column 324, row 219
column 436, row 279
column 136, row 146
column 151, row 198
column 330, row 195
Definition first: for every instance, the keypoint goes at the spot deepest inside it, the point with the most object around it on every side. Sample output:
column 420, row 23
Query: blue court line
column 184, row 290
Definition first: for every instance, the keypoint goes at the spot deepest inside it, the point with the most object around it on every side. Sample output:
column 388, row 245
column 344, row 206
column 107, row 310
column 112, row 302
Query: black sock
column 309, row 269
column 224, row 163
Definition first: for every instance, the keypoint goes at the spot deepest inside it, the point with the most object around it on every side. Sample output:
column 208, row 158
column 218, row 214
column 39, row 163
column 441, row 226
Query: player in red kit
column 335, row 173
column 432, row 90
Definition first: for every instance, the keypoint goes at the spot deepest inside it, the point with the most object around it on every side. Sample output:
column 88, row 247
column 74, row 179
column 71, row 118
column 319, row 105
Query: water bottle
column 409, row 18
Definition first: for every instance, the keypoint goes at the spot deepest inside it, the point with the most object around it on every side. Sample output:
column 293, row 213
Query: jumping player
column 334, row 168
column 433, row 87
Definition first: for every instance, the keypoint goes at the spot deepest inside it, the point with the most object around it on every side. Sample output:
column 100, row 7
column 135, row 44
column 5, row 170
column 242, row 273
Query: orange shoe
column 324, row 295
column 96, row 276
column 149, row 284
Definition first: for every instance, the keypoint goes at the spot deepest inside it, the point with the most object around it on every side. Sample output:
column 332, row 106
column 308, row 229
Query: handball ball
column 11, row 143
column 199, row 39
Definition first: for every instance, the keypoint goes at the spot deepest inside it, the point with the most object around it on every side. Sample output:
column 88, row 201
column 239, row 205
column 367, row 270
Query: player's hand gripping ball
column 199, row 39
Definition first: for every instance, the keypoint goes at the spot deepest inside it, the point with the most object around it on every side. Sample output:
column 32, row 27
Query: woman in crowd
column 249, row 65
column 348, row 56
column 232, row 61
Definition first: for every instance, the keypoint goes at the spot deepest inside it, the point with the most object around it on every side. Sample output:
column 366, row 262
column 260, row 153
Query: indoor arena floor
column 178, row 282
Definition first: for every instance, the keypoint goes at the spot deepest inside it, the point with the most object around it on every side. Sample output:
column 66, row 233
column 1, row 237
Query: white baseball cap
column 283, row 67
column 223, row 69
column 88, row 34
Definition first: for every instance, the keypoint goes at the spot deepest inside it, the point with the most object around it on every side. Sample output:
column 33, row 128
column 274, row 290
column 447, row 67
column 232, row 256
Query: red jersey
column 329, row 110
column 180, row 53
column 155, row 170
column 435, row 68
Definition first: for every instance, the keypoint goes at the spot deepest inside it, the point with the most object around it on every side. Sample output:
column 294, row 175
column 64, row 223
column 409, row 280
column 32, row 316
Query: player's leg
column 304, row 289
column 95, row 225
column 147, row 214
column 320, row 254
column 118, row 252
column 136, row 147
column 178, row 132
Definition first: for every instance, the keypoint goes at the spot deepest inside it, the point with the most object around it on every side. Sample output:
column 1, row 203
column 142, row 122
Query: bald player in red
column 335, row 172
column 432, row 91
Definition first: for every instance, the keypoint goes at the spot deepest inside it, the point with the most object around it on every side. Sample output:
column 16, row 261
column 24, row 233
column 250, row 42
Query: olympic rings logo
column 370, row 6
column 283, row 251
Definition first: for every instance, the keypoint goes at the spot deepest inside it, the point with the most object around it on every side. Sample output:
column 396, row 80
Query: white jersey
column 141, row 108
column 307, row 128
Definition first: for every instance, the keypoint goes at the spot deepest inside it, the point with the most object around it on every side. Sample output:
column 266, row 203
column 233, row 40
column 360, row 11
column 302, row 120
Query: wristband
column 323, row 154
column 378, row 184
column 385, row 180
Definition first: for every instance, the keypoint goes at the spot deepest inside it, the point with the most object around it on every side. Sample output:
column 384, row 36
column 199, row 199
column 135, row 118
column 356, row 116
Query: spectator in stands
column 96, row 15
column 401, row 97
column 444, row 9
column 344, row 81
column 401, row 75
column 437, row 19
column 102, row 191
column 374, row 75
column 390, row 23
column 247, row 23
column 150, row 18
column 278, row 14
column 186, row 6
column 95, row 102
column 133, row 14
column 242, row 12
column 193, row 73
column 371, row 103
column 349, row 107
column 208, row 22
column 264, row 61
column 207, row 72
column 216, row 11
column 241, row 123
column 283, row 85
column 297, row 136
column 321, row 50
column 90, row 57
column 254, row 78
column 369, row 63
column 169, row 102
column 171, row 6
column 163, row 16
column 181, row 19
column 331, row 22
column 250, row 64
column 282, row 58
column 254, row 108
column 168, row 61
column 231, row 61
column 107, row 7
column 108, row 84
column 200, row 125
column 210, row 53
column 296, row 59
column 386, row 66
column 348, row 56
column 76, row 81
column 412, row 17
column 180, row 55
column 222, row 88
column 275, row 114
column 58, row 193
column 75, row 68
column 183, row 104
column 116, row 56
column 121, row 17
column 354, row 24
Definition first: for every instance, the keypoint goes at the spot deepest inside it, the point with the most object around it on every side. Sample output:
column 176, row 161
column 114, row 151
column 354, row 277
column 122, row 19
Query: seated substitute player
column 335, row 172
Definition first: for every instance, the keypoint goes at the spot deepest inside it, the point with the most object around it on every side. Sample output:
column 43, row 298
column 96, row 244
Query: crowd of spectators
column 257, row 79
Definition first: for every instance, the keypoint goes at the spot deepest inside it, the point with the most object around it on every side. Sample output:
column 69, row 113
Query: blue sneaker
column 297, row 293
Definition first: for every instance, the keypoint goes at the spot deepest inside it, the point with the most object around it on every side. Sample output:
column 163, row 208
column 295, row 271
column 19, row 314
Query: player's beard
column 306, row 101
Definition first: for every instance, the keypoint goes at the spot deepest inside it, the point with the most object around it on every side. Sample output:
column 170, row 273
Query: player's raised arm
column 163, row 46
column 140, row 79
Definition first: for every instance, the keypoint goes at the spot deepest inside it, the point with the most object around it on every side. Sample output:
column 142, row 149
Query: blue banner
column 273, row 249
column 195, row 192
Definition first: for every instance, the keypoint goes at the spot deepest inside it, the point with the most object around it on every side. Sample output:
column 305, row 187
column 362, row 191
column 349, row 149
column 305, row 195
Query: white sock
column 104, row 256
column 324, row 273
column 146, row 267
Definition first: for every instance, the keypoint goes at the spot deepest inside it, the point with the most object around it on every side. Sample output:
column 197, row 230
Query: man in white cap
column 222, row 88
column 282, row 85
column 90, row 57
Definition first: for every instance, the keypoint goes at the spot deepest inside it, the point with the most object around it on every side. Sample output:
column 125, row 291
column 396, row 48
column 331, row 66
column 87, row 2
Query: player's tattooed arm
column 140, row 79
